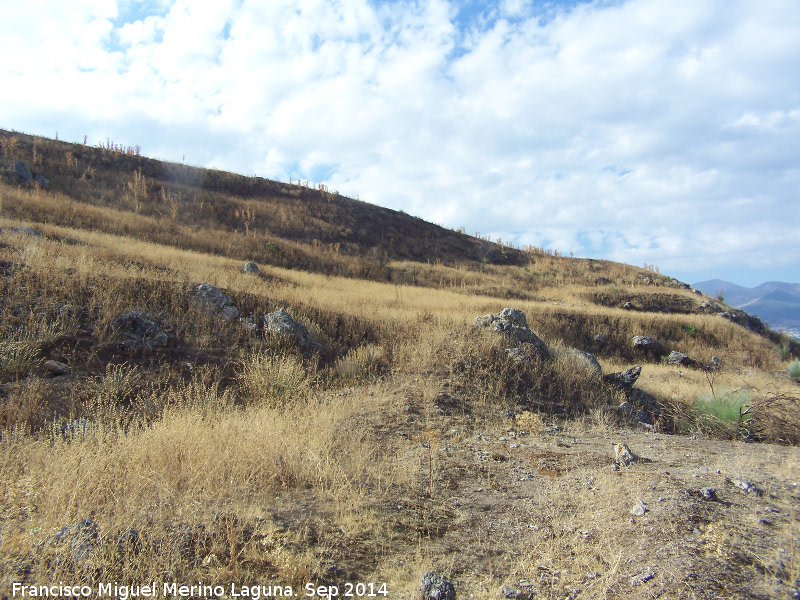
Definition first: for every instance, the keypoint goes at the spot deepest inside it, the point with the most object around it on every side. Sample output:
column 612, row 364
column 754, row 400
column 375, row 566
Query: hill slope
column 364, row 409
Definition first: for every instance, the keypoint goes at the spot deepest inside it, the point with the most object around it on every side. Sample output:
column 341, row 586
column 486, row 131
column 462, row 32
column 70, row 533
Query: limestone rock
column 281, row 323
column 679, row 358
column 43, row 181
column 623, row 455
column 624, row 379
column 512, row 324
column 250, row 267
column 647, row 344
column 639, row 509
column 56, row 368
column 79, row 538
column 213, row 300
column 436, row 587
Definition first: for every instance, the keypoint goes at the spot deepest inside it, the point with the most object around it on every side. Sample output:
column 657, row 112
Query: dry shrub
column 776, row 418
column 273, row 381
column 24, row 408
column 362, row 363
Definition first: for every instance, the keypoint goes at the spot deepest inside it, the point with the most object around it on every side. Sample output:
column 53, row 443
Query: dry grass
column 235, row 458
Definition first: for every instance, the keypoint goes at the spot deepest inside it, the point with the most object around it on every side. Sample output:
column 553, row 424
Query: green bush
column 794, row 369
column 729, row 407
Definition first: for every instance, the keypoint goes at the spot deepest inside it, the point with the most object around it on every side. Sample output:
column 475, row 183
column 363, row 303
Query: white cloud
column 642, row 130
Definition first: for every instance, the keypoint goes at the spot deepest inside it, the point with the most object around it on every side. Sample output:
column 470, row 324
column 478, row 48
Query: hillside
column 775, row 302
column 209, row 379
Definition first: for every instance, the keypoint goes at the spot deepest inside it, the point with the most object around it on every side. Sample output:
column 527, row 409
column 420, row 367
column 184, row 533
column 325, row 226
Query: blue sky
column 643, row 131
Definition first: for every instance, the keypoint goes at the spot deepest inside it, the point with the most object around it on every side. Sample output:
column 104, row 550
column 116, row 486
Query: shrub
column 273, row 380
column 725, row 414
column 361, row 363
column 794, row 369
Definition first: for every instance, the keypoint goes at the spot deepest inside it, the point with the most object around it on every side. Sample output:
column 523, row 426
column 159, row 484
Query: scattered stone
column 514, row 593
column 517, row 355
column 22, row 171
column 679, row 358
column 139, row 330
column 748, row 487
column 639, row 509
column 212, row 299
column 729, row 315
column 56, row 368
column 80, row 538
column 513, row 325
column 627, row 306
column 436, row 587
column 584, row 360
column 281, row 323
column 645, row 401
column 644, row 417
column 623, row 455
column 642, row 577
column 624, row 379
column 599, row 339
column 250, row 267
column 647, row 344
column 710, row 494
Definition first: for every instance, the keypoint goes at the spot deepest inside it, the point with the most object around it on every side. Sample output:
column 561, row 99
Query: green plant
column 721, row 295
column 784, row 350
column 724, row 412
column 794, row 369
column 690, row 329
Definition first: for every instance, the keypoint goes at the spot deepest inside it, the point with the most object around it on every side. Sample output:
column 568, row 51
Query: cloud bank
column 640, row 131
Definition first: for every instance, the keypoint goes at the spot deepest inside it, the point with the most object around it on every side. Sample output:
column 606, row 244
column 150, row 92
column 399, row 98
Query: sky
column 642, row 131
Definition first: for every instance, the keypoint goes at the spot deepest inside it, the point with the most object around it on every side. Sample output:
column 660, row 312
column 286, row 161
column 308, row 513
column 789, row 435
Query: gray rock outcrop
column 281, row 323
column 512, row 324
column 436, row 587
column 79, row 539
column 213, row 300
column 22, row 172
column 139, row 330
column 624, row 379
column 647, row 344
column 250, row 267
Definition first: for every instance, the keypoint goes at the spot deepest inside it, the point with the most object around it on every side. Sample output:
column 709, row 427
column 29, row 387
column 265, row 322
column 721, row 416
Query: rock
column 76, row 427
column 645, row 401
column 748, row 487
column 644, row 417
column 639, row 509
column 43, row 181
column 139, row 330
column 729, row 315
column 626, row 408
column 642, row 577
column 599, row 339
column 513, row 325
column 29, row 231
column 56, row 368
column 213, row 300
column 281, row 323
column 623, row 455
column 679, row 358
column 624, row 379
column 436, row 587
column 514, row 593
column 584, row 360
column 710, row 494
column 250, row 267
column 22, row 171
column 80, row 538
column 647, row 344
column 627, row 306
column 517, row 355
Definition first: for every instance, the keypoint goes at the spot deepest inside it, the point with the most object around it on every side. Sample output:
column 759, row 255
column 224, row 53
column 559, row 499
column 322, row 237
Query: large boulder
column 281, row 323
column 647, row 344
column 250, row 267
column 213, row 300
column 512, row 324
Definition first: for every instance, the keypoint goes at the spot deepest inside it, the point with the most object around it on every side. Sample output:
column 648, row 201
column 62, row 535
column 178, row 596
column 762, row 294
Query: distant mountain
column 776, row 302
